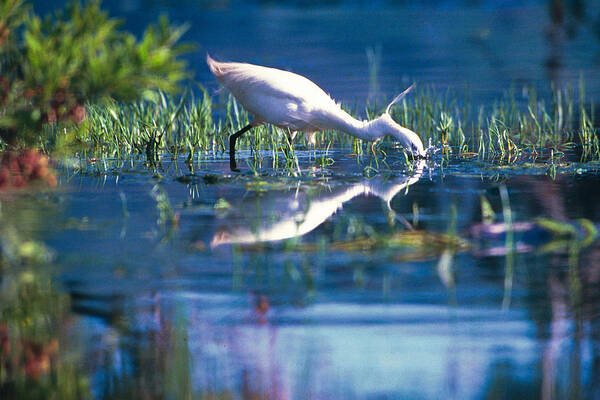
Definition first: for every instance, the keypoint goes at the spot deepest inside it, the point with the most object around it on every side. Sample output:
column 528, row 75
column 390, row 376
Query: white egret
column 293, row 102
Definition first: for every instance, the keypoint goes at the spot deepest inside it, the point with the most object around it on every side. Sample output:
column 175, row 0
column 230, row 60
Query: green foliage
column 151, row 127
column 12, row 15
column 74, row 56
column 162, row 125
column 445, row 126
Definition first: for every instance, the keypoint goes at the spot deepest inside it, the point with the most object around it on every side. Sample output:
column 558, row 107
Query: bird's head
column 407, row 138
column 404, row 136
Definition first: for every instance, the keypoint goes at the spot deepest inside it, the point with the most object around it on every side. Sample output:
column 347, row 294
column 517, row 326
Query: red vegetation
column 4, row 31
column 33, row 358
column 19, row 170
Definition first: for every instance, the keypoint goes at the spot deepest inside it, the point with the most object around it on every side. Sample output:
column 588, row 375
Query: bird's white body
column 291, row 101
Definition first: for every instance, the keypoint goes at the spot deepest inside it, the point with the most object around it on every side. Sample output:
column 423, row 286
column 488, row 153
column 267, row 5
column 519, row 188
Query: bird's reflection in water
column 284, row 215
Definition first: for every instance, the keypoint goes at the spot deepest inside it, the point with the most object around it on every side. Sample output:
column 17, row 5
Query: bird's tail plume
column 215, row 66
column 398, row 98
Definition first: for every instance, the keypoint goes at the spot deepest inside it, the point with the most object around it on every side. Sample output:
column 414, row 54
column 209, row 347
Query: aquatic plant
column 511, row 129
column 19, row 170
column 51, row 67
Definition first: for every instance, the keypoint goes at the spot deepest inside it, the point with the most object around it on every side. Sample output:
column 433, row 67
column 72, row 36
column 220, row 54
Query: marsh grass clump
column 194, row 126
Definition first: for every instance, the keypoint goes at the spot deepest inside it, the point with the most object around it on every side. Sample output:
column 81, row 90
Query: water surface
column 254, row 286
column 476, row 49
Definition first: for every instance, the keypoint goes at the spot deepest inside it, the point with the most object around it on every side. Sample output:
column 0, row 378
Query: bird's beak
column 418, row 156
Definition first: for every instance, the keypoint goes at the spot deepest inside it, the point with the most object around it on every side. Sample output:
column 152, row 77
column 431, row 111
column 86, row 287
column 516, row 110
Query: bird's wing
column 274, row 96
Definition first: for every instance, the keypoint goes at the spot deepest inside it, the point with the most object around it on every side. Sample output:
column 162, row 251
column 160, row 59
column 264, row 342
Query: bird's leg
column 232, row 140
column 286, row 146
column 373, row 144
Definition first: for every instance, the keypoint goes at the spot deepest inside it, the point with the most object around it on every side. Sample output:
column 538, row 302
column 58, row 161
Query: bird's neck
column 344, row 122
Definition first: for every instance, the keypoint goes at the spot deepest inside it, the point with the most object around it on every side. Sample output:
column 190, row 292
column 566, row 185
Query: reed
column 195, row 126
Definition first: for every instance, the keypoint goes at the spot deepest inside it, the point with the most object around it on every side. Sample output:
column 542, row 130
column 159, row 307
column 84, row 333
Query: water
column 166, row 307
column 478, row 49
column 166, row 282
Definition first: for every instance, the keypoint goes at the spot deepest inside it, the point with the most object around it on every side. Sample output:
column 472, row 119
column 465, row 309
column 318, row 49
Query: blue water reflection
column 292, row 319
